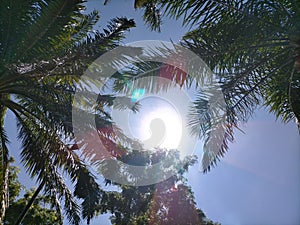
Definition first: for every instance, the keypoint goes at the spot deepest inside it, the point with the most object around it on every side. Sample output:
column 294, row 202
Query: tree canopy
column 168, row 202
column 39, row 213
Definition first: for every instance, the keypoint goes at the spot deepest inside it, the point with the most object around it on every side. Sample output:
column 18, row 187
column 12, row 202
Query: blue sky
column 258, row 180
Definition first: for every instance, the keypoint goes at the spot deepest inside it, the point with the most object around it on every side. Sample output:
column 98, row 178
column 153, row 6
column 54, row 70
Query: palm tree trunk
column 4, row 190
column 4, row 163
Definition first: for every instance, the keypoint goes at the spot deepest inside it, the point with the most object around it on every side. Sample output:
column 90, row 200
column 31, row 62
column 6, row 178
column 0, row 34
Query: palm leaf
column 252, row 48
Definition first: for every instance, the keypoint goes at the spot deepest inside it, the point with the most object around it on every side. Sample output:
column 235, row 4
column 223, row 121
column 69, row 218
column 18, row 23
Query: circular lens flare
column 169, row 85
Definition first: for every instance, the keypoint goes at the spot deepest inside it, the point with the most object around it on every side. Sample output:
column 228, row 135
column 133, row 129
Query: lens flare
column 105, row 130
column 137, row 94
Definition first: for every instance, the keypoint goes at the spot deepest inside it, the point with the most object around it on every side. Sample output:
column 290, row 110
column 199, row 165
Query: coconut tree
column 45, row 46
column 253, row 49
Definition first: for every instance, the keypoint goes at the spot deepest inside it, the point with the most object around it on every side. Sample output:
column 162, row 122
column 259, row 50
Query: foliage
column 168, row 202
column 253, row 47
column 39, row 214
column 45, row 46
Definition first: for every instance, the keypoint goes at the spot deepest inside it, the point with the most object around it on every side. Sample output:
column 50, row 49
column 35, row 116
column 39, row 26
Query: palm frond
column 44, row 155
column 50, row 18
column 248, row 65
column 152, row 15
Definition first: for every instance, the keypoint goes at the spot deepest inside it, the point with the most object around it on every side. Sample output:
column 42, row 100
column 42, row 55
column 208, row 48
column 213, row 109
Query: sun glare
column 157, row 124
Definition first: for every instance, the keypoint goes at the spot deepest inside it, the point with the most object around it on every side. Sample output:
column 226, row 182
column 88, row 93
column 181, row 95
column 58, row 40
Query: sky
column 258, row 180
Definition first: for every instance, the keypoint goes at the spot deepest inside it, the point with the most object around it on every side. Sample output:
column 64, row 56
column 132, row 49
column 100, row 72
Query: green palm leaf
column 45, row 47
column 253, row 49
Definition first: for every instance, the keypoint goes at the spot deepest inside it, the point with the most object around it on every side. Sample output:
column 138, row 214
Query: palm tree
column 253, row 48
column 45, row 46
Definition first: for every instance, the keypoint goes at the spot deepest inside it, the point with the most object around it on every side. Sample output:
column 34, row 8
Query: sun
column 157, row 124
